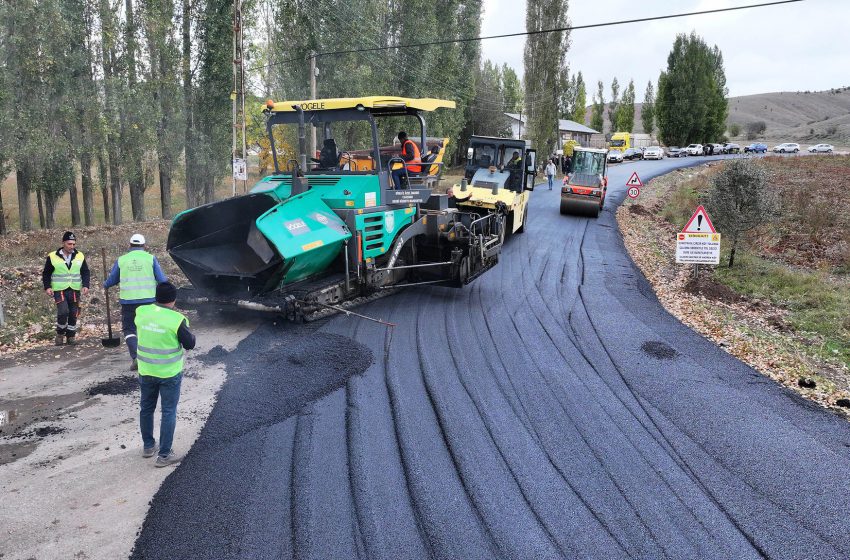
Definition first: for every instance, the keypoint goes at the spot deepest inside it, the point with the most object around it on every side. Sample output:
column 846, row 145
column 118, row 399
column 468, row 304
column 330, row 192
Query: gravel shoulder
column 752, row 330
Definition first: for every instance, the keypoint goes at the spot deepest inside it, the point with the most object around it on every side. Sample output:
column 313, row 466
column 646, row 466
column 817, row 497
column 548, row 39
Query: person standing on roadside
column 65, row 278
column 163, row 335
column 138, row 273
column 550, row 172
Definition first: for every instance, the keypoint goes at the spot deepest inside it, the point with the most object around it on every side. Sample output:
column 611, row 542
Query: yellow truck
column 621, row 141
column 498, row 178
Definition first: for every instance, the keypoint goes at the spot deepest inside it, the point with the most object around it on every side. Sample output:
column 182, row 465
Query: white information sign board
column 240, row 169
column 698, row 248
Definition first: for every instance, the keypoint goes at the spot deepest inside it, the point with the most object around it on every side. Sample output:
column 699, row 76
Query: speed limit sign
column 634, row 192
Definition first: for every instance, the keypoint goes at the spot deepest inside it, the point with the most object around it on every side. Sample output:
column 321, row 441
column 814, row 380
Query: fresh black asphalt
column 552, row 409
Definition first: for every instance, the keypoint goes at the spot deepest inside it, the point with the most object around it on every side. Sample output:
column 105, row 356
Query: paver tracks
column 519, row 418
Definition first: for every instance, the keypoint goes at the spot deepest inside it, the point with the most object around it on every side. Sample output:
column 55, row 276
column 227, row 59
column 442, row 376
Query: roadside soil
column 70, row 451
column 753, row 330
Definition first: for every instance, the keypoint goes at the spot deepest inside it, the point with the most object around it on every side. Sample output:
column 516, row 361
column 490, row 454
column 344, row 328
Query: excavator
column 321, row 234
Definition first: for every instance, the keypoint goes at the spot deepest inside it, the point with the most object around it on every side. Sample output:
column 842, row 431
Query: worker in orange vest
column 411, row 156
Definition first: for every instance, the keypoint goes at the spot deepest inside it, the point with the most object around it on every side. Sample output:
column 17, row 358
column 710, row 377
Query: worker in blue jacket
column 138, row 273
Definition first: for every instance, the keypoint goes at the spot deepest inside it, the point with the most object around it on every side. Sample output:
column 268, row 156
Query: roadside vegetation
column 783, row 306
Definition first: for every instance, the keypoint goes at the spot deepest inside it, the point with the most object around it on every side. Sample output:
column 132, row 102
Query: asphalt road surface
column 552, row 409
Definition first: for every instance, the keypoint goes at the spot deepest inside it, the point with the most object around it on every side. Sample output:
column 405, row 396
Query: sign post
column 699, row 242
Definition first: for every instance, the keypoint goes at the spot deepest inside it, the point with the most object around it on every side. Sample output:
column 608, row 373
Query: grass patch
column 818, row 302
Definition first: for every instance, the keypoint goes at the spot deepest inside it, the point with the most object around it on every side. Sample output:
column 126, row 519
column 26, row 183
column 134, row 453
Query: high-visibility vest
column 64, row 277
column 137, row 278
column 159, row 351
column 416, row 157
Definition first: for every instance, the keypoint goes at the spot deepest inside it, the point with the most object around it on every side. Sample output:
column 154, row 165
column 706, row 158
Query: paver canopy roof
column 375, row 103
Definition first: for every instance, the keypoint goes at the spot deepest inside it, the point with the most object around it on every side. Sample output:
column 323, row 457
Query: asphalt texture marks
column 551, row 409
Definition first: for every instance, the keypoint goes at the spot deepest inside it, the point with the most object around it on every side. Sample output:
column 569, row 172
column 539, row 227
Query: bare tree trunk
column 40, row 208
column 130, row 125
column 732, row 252
column 3, row 230
column 103, row 179
column 49, row 211
column 191, row 180
column 86, row 183
column 75, row 203
column 165, row 189
column 114, row 181
column 24, row 183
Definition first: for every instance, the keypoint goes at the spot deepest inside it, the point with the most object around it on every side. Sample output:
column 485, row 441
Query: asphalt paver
column 551, row 409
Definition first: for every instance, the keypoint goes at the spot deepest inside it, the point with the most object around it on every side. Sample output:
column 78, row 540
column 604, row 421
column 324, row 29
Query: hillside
column 807, row 117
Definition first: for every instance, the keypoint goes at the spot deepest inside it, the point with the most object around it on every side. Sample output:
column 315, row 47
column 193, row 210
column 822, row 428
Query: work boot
column 148, row 452
column 60, row 340
column 169, row 459
column 134, row 365
column 71, row 340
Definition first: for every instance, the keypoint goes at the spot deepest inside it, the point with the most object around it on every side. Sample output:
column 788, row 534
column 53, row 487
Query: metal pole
column 242, row 96
column 2, row 316
column 312, row 96
column 233, row 95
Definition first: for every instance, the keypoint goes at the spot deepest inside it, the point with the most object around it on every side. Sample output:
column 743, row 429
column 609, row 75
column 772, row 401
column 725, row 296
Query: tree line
column 102, row 99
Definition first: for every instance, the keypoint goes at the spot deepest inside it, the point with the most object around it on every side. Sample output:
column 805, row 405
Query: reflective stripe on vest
column 137, row 280
column 64, row 277
column 159, row 352
column 416, row 157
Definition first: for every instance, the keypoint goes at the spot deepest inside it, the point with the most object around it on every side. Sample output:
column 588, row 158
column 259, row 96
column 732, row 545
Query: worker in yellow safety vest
column 163, row 335
column 137, row 272
column 66, row 278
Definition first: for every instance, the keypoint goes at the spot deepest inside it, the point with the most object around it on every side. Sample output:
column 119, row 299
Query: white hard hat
column 137, row 239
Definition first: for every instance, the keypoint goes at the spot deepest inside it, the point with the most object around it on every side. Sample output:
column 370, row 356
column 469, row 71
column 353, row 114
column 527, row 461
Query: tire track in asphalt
column 516, row 418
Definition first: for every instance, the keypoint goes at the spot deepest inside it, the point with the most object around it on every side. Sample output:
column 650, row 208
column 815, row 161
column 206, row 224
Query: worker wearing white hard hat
column 137, row 272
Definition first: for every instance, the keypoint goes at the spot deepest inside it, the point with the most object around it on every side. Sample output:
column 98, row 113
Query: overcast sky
column 789, row 47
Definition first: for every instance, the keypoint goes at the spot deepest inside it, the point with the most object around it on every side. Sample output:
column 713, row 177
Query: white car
column 694, row 149
column 787, row 147
column 653, row 152
column 821, row 148
column 615, row 156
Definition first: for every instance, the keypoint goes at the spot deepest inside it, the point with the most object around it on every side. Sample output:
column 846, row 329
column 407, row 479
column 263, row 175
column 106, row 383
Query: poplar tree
column 545, row 67
column 597, row 119
column 691, row 104
column 580, row 104
column 614, row 105
column 647, row 114
column 626, row 111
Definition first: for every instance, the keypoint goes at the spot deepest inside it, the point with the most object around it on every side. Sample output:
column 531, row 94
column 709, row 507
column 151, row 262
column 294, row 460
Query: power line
column 535, row 32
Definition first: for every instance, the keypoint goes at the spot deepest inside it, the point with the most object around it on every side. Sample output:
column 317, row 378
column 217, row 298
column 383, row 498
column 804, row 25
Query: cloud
column 781, row 48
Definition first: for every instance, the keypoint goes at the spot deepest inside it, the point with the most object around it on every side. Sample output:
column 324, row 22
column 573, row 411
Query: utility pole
column 237, row 97
column 314, row 72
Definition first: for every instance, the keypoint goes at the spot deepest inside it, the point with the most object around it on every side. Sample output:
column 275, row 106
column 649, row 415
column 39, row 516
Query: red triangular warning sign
column 699, row 222
column 634, row 180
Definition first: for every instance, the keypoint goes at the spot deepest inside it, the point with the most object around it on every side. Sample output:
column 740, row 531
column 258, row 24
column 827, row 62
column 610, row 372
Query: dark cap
column 166, row 292
column 68, row 236
column 402, row 134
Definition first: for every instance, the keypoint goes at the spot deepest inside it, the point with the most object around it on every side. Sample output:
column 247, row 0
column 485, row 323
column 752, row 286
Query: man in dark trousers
column 411, row 156
column 163, row 336
column 138, row 273
column 65, row 278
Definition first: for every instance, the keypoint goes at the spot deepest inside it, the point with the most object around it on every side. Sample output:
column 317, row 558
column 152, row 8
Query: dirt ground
column 752, row 330
column 71, row 470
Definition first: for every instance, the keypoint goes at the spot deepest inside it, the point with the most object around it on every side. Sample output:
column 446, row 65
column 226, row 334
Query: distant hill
column 790, row 116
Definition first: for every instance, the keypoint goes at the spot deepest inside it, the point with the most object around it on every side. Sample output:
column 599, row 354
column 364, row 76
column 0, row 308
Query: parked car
column 653, row 152
column 615, row 156
column 821, row 148
column 731, row 148
column 675, row 151
column 633, row 153
column 756, row 148
column 787, row 147
column 694, row 149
